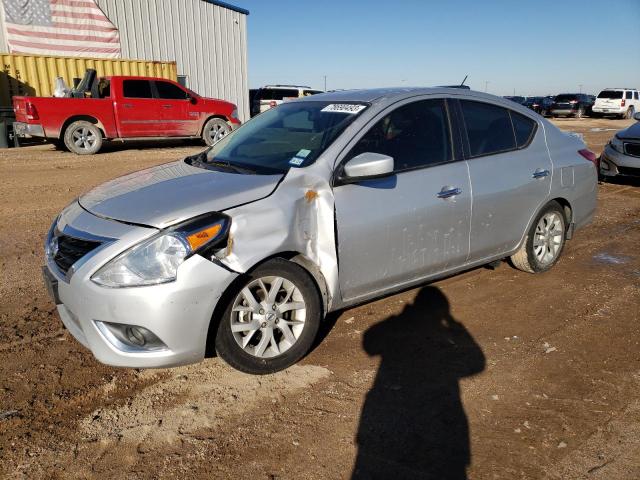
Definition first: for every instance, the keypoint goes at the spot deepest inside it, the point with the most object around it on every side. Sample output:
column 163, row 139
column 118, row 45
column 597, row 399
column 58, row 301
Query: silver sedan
column 310, row 207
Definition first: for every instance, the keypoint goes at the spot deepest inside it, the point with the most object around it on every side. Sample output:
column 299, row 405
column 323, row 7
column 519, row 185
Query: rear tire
column 83, row 138
column 629, row 113
column 271, row 319
column 580, row 113
column 544, row 242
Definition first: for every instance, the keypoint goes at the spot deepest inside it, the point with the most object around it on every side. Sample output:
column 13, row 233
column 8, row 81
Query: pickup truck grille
column 632, row 149
column 70, row 250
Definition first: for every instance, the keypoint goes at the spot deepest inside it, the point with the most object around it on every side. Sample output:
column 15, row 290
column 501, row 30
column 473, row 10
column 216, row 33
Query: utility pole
column 486, row 85
column 580, row 88
column 325, row 83
column 514, row 91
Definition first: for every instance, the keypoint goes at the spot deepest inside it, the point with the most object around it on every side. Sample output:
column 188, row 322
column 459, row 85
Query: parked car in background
column 621, row 155
column 519, row 100
column 124, row 108
column 541, row 105
column 622, row 102
column 270, row 96
column 572, row 105
column 313, row 206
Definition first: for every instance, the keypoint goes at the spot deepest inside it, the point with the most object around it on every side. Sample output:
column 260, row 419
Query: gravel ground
column 491, row 374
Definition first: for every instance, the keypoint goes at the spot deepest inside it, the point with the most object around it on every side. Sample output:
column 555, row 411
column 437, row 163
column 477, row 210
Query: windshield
column 289, row 135
column 614, row 94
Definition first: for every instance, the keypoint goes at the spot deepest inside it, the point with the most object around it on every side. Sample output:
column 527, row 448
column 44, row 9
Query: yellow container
column 35, row 75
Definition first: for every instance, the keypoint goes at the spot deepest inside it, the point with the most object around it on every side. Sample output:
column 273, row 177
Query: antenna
column 465, row 79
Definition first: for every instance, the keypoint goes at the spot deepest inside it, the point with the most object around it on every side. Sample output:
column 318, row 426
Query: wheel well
column 566, row 206
column 222, row 117
column 87, row 118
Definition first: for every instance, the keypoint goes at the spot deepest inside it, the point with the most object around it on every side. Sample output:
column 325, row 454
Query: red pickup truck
column 118, row 108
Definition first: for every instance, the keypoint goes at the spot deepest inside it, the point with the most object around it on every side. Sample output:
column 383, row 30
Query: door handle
column 447, row 192
column 167, row 106
column 539, row 173
column 127, row 105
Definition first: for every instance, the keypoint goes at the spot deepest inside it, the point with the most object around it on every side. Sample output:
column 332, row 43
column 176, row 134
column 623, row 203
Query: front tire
column 83, row 138
column 271, row 320
column 544, row 242
column 214, row 130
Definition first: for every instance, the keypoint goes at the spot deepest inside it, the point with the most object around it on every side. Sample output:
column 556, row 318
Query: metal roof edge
column 228, row 5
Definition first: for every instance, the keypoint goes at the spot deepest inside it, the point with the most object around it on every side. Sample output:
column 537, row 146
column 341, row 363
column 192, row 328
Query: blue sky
column 535, row 47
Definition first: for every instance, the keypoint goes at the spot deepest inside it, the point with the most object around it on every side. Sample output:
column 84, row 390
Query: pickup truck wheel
column 83, row 138
column 271, row 320
column 544, row 242
column 214, row 130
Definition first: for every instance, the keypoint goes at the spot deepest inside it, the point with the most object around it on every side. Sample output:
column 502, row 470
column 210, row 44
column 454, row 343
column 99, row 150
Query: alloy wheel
column 84, row 138
column 548, row 238
column 268, row 316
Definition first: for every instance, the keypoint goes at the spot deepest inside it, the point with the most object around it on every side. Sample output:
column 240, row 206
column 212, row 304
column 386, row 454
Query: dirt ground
column 491, row 374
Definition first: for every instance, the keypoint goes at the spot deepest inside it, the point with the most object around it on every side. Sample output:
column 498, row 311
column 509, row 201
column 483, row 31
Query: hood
column 171, row 193
column 633, row 132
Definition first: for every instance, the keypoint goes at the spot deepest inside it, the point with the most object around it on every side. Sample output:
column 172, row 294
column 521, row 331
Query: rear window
column 136, row 89
column 306, row 93
column 278, row 93
column 629, row 95
column 566, row 98
column 488, row 128
column 614, row 94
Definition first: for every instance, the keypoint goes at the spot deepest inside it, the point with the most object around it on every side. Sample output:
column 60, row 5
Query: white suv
column 623, row 102
column 271, row 95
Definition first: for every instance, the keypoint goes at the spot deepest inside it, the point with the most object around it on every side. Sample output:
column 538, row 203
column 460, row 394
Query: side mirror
column 637, row 116
column 192, row 100
column 366, row 166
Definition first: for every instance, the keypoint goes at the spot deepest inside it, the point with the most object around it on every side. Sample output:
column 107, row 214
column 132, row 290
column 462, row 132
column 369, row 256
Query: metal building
column 206, row 38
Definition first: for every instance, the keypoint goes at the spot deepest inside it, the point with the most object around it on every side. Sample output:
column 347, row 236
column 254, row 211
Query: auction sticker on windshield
column 343, row 108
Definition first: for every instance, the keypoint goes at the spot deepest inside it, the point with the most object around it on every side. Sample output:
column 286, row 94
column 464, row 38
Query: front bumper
column 178, row 312
column 28, row 130
column 614, row 163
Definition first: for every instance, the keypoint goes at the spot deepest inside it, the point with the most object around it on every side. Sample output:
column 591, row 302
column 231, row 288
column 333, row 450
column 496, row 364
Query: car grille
column 70, row 250
column 629, row 171
column 632, row 149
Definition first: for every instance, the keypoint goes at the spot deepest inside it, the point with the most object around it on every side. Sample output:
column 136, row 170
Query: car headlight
column 156, row 260
column 616, row 144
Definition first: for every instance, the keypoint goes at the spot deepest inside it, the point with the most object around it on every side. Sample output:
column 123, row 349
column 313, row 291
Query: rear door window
column 415, row 135
column 136, row 89
column 635, row 95
column 488, row 128
column 523, row 127
column 170, row 91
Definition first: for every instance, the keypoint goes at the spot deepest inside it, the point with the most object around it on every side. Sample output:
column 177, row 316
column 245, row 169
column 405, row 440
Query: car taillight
column 573, row 101
column 622, row 102
column 589, row 155
column 32, row 113
column 272, row 103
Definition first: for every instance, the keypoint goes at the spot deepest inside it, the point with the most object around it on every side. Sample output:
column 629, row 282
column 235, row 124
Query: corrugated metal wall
column 35, row 74
column 208, row 42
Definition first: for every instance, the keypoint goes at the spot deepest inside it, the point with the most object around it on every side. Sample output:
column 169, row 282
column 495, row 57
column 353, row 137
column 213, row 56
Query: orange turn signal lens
column 197, row 239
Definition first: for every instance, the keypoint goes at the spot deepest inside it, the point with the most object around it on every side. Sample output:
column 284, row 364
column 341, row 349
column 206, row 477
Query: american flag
column 71, row 28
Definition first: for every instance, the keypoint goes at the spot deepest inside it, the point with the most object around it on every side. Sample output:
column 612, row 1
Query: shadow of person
column 413, row 424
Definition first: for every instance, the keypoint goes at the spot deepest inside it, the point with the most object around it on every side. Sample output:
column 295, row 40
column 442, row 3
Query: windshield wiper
column 230, row 166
